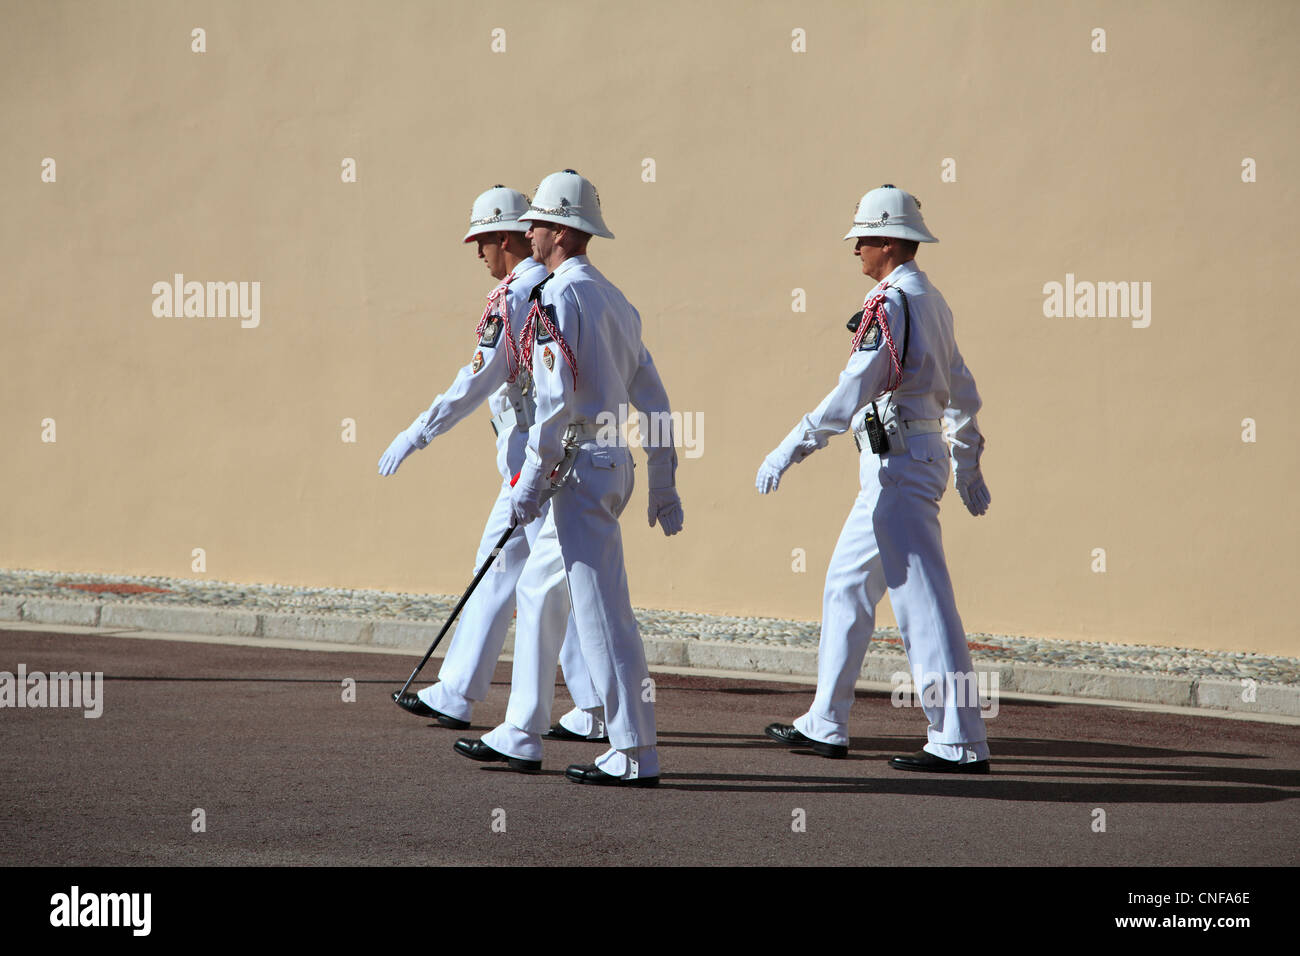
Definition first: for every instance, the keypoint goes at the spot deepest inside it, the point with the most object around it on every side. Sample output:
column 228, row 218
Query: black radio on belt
column 875, row 431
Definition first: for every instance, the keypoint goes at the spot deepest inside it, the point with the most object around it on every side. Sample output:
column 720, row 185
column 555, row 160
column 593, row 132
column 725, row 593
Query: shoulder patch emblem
column 478, row 362
column 549, row 358
column 491, row 332
column 871, row 338
column 542, row 334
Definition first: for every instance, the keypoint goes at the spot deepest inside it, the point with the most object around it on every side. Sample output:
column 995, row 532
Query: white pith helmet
column 567, row 199
column 888, row 211
column 497, row 210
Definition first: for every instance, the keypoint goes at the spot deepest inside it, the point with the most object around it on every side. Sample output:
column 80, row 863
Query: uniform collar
column 906, row 269
column 571, row 262
column 523, row 265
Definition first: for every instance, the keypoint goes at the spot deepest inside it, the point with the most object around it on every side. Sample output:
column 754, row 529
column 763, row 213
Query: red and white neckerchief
column 498, row 302
column 527, row 337
column 873, row 313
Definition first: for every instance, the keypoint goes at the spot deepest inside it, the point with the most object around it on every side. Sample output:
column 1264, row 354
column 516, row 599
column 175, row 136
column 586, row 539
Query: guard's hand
column 526, row 498
column 666, row 508
column 396, row 454
column 770, row 472
column 974, row 494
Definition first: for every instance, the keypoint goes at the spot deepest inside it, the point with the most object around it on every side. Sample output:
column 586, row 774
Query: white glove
column 770, row 472
column 526, row 498
column 974, row 493
column 396, row 454
column 666, row 507
column 794, row 449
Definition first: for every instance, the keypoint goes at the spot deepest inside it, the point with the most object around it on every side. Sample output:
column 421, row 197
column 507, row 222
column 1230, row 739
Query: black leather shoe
column 590, row 773
column 412, row 703
column 560, row 732
column 785, row 734
column 925, row 761
column 477, row 750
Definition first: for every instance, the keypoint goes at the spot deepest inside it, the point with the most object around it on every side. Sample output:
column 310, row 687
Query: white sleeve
column 959, row 417
column 863, row 380
column 646, row 391
column 468, row 390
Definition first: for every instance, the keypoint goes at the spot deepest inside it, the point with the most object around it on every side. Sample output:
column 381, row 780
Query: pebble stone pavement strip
column 677, row 625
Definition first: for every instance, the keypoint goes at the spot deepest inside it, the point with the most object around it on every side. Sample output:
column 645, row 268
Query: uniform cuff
column 415, row 433
column 663, row 474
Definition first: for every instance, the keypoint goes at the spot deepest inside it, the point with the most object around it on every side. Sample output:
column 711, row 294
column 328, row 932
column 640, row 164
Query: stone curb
column 302, row 627
column 42, row 611
column 186, row 620
column 1234, row 696
column 11, row 607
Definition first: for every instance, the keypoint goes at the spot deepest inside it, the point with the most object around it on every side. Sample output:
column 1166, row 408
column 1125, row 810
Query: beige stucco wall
column 174, row 434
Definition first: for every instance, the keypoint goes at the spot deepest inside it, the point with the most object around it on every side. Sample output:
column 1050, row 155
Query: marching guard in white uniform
column 903, row 346
column 495, row 374
column 587, row 357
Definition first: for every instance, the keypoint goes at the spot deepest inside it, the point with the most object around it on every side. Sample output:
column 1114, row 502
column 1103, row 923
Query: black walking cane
column 558, row 476
column 501, row 543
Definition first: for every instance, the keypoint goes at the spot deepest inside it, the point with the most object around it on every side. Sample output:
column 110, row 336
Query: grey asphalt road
column 286, row 771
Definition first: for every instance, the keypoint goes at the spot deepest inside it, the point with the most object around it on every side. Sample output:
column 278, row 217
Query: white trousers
column 891, row 541
column 471, row 659
column 576, row 566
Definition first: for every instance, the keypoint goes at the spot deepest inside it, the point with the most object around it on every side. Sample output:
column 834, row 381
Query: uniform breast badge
column 543, row 328
column 871, row 338
column 478, row 362
column 490, row 332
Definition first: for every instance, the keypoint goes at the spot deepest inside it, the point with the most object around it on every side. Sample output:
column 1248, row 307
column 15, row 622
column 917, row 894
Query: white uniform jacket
column 936, row 382
column 485, row 377
column 600, row 333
